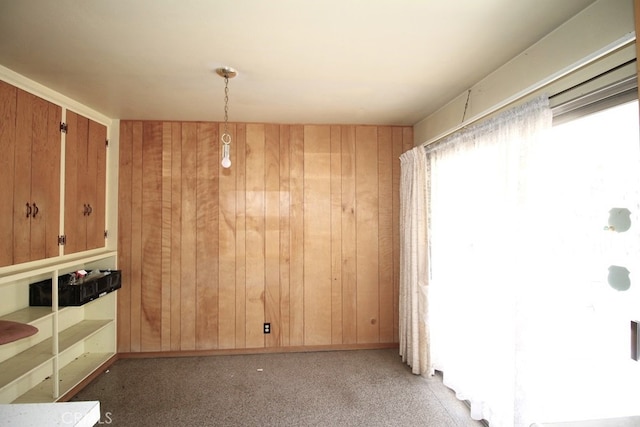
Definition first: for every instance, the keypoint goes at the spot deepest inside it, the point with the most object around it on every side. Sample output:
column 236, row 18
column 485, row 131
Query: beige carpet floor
column 337, row 388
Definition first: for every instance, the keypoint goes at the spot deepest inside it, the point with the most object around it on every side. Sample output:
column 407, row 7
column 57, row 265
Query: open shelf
column 70, row 376
column 23, row 363
column 72, row 342
column 28, row 314
column 79, row 332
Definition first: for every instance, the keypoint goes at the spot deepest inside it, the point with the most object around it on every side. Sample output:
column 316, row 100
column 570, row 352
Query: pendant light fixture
column 227, row 73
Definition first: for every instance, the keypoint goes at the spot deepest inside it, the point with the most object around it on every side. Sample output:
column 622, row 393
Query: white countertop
column 79, row 414
column 633, row 421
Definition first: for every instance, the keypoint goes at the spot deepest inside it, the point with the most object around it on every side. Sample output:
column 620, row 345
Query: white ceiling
column 298, row 61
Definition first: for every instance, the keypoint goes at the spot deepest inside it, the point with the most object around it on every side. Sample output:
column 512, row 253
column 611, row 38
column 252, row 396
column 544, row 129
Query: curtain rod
column 597, row 76
column 617, row 44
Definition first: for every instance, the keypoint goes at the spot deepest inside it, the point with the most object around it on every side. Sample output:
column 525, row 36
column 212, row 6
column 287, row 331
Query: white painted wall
column 607, row 26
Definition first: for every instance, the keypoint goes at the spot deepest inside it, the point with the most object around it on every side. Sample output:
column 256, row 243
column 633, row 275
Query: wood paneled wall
column 300, row 232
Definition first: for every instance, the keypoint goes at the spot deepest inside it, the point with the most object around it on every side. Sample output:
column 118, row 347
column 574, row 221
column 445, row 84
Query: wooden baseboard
column 75, row 390
column 262, row 350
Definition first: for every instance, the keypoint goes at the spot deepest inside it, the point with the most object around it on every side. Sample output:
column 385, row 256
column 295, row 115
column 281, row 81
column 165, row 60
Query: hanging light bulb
column 227, row 73
column 226, row 161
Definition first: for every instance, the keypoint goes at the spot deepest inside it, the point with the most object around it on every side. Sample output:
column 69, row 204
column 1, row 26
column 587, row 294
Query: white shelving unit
column 71, row 343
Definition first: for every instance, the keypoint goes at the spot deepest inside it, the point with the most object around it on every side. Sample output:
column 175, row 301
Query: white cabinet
column 71, row 343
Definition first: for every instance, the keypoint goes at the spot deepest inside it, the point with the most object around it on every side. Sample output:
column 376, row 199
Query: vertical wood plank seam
column 246, row 297
column 304, row 153
column 378, row 220
column 131, row 233
column 170, row 227
column 197, row 202
column 235, row 244
column 264, row 235
column 142, row 156
column 343, row 131
column 355, row 226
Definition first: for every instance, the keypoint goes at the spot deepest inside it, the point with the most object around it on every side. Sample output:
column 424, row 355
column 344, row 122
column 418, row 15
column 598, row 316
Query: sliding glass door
column 534, row 239
column 585, row 200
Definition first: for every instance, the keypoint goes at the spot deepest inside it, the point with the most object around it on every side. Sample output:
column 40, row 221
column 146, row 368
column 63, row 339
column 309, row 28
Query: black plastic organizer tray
column 77, row 292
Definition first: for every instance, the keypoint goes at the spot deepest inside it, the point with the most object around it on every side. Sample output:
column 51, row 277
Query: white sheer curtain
column 477, row 233
column 522, row 321
column 577, row 348
column 414, row 332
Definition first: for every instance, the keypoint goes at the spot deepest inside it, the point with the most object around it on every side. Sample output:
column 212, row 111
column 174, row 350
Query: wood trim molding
column 261, row 350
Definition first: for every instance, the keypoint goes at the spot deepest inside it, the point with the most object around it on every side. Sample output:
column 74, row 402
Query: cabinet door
column 22, row 178
column 8, row 99
column 85, row 184
column 97, row 177
column 36, row 185
column 75, row 205
column 45, row 180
